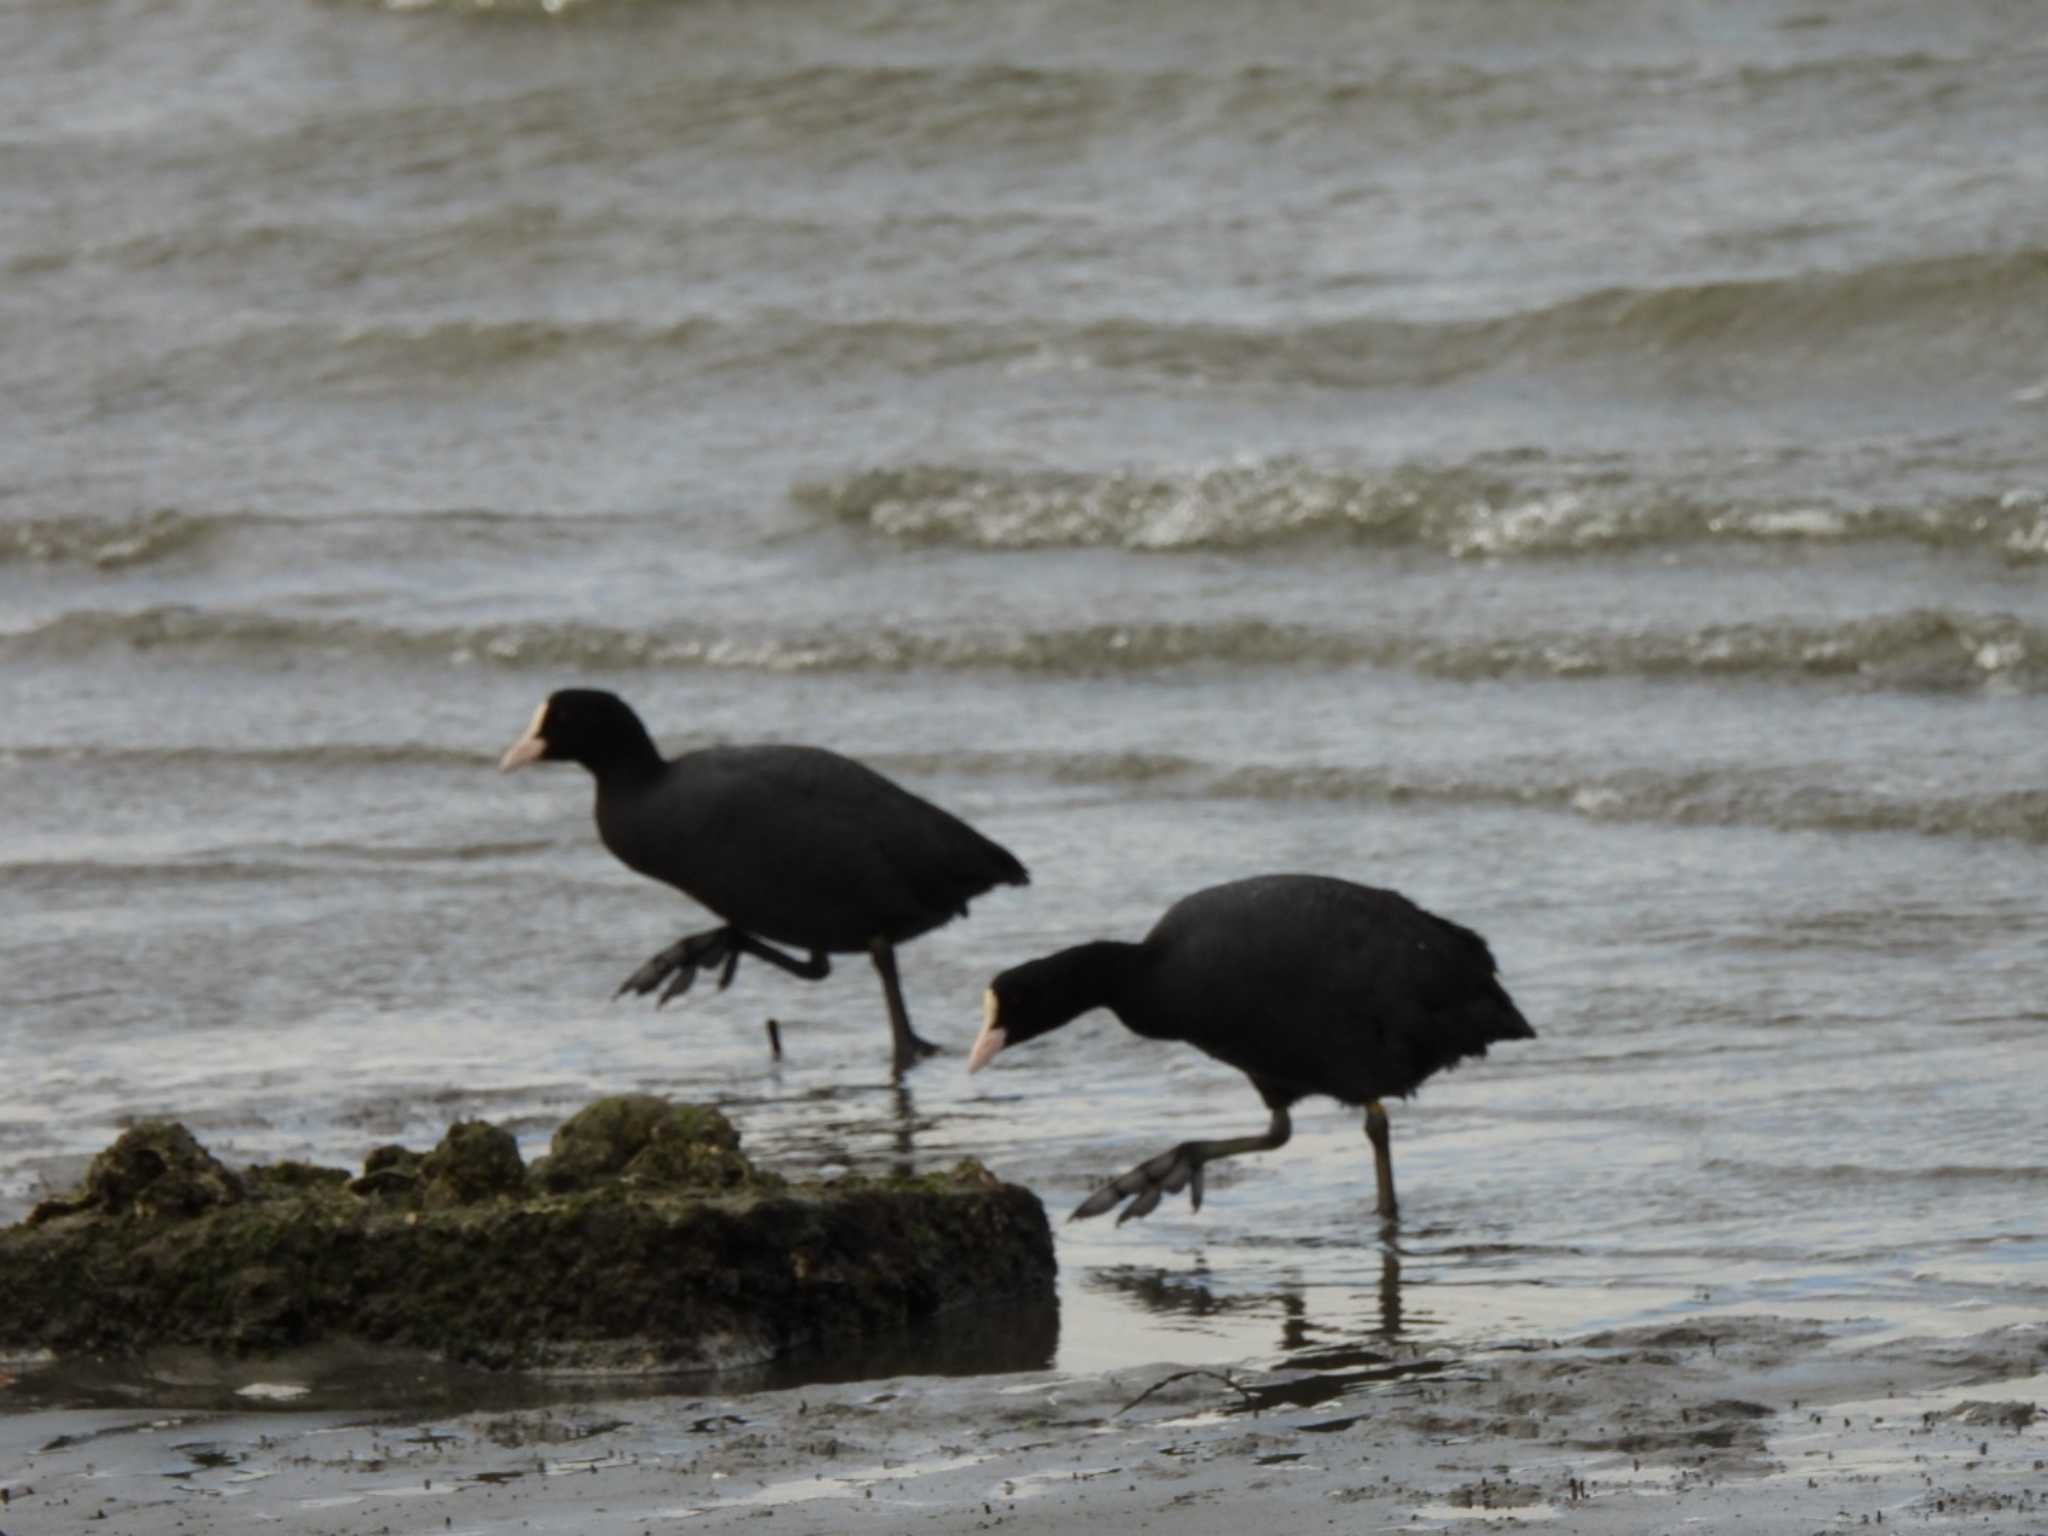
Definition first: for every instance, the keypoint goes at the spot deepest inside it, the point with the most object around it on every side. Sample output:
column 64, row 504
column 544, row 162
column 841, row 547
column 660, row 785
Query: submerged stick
column 1167, row 1381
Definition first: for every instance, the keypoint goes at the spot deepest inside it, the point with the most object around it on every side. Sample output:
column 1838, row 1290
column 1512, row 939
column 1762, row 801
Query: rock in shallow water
column 644, row 1241
column 155, row 1169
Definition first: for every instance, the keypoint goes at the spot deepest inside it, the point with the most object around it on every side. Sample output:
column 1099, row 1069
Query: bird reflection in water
column 1303, row 1339
column 876, row 1138
column 903, row 1109
column 1320, row 1365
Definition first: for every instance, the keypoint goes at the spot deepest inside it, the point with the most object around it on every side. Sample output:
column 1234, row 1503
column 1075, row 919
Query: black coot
column 789, row 845
column 1304, row 983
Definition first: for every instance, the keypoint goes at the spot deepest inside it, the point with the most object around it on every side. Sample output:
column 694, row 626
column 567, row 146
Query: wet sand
column 1757, row 1423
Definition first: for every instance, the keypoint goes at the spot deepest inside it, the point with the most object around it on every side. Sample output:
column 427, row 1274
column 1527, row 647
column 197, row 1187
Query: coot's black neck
column 1087, row 976
column 624, row 758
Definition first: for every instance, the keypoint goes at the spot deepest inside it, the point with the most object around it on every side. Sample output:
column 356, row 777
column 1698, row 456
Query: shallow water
column 1583, row 468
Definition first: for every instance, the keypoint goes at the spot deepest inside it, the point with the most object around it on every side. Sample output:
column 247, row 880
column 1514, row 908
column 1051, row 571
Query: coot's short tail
column 946, row 864
column 1474, row 1010
column 1004, row 867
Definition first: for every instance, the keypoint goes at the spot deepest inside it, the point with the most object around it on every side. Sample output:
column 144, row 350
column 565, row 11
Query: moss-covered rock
column 270, row 1179
column 647, row 1141
column 646, row 1240
column 389, row 1173
column 475, row 1161
column 155, row 1169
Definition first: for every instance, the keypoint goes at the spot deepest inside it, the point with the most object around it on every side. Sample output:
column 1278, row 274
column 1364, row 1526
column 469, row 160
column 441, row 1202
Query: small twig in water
column 1167, row 1381
column 774, row 1041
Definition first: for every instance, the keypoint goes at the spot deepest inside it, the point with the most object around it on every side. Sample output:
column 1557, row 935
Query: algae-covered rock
column 288, row 1177
column 475, row 1161
column 645, row 1241
column 389, row 1172
column 646, row 1140
column 155, row 1169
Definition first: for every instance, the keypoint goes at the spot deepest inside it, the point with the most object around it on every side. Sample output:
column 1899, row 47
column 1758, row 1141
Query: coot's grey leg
column 816, row 968
column 1382, row 1158
column 679, row 964
column 1178, row 1169
column 910, row 1049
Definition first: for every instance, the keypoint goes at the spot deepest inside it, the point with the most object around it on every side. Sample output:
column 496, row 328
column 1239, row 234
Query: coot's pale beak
column 991, row 1039
column 527, row 748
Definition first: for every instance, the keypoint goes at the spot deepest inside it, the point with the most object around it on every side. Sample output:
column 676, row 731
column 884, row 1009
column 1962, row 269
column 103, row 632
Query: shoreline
column 1766, row 1423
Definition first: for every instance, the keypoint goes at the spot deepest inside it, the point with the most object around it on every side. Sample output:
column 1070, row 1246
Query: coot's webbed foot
column 1171, row 1172
column 1151, row 1181
column 679, row 964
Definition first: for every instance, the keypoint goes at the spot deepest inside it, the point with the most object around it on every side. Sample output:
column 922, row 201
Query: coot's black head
column 587, row 726
column 1039, row 996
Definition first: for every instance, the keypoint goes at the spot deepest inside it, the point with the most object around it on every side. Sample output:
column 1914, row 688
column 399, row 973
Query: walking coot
column 1306, row 984
column 788, row 845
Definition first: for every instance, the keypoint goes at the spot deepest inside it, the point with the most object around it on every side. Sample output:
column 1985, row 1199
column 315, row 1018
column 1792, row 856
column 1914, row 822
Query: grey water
column 1585, row 466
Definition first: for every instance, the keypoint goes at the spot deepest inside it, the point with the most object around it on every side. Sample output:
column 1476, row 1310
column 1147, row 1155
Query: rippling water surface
column 1583, row 465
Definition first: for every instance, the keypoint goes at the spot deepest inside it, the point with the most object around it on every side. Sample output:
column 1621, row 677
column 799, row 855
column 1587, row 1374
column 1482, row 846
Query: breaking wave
column 1723, row 797
column 1965, row 321
column 107, row 543
column 1920, row 649
column 341, row 755
column 1463, row 511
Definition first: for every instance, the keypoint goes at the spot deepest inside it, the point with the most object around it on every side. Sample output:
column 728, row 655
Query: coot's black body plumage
column 787, row 845
column 1305, row 983
column 800, row 846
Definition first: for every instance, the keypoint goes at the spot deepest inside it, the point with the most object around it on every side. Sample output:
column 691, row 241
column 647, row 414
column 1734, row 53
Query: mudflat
column 1757, row 1423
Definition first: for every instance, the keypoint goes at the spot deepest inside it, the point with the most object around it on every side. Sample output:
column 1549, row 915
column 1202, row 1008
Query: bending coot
column 1306, row 984
column 787, row 844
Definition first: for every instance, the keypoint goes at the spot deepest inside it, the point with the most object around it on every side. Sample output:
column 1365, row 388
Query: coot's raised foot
column 1151, row 1181
column 679, row 964
column 1181, row 1168
column 720, row 947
